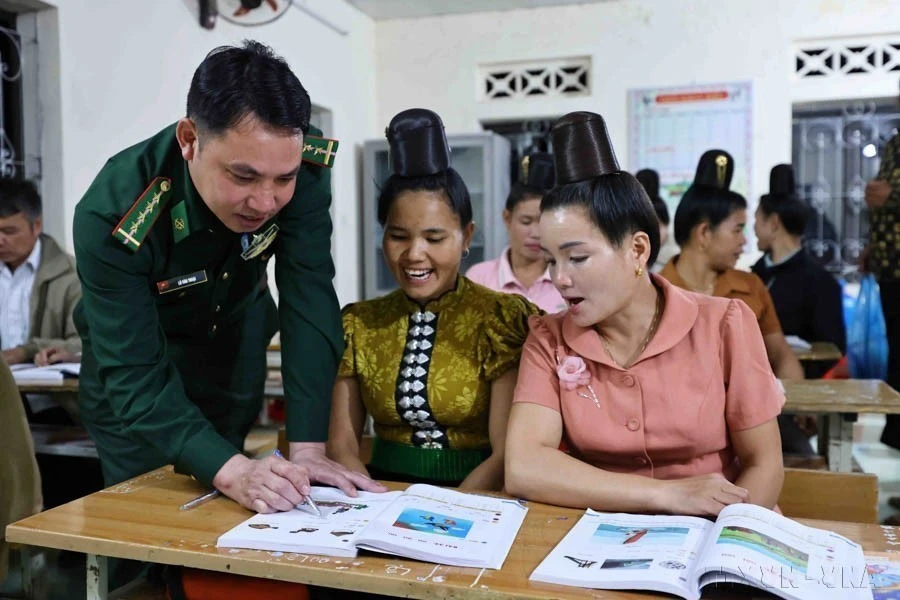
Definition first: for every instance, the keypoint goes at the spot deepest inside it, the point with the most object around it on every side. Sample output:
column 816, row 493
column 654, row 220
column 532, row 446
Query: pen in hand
column 307, row 501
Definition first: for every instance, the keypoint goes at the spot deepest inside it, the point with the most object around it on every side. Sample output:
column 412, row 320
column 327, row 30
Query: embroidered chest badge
column 253, row 247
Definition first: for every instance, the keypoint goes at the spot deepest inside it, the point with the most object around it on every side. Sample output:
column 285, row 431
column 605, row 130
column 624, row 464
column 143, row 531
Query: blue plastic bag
column 867, row 348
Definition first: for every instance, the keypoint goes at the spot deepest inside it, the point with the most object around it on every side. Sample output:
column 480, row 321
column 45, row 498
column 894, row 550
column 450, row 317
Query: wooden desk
column 841, row 400
column 140, row 520
column 820, row 351
column 66, row 386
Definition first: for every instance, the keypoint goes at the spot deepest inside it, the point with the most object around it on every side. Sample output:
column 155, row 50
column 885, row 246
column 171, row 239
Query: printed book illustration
column 424, row 522
column 747, row 545
column 884, row 574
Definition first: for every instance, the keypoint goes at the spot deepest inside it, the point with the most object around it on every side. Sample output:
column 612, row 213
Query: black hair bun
column 418, row 143
column 582, row 148
column 715, row 169
column 649, row 179
column 538, row 171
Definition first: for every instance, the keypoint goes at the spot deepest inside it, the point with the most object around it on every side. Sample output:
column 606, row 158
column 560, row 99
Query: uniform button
column 633, row 424
column 225, row 275
column 218, row 308
column 213, row 329
column 181, row 295
column 628, row 380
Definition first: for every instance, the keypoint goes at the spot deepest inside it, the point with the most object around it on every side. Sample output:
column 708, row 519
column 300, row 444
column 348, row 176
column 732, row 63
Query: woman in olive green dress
column 434, row 362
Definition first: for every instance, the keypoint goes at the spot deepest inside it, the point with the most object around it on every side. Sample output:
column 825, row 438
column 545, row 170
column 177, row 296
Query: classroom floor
column 65, row 577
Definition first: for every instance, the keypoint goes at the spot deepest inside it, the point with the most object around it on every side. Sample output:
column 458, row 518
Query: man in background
column 39, row 287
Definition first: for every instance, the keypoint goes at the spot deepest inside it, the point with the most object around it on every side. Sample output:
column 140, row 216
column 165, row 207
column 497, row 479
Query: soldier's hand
column 265, row 485
column 324, row 470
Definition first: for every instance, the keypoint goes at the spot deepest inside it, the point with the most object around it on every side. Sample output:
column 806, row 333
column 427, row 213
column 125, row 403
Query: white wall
column 633, row 43
column 125, row 67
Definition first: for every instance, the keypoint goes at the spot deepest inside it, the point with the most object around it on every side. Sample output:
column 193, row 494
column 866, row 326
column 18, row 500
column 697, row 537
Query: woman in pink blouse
column 663, row 397
column 521, row 268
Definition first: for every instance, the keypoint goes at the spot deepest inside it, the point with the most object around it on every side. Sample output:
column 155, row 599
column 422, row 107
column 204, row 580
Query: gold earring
column 639, row 271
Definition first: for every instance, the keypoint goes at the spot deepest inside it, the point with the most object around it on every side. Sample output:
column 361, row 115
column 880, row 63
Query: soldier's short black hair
column 234, row 82
column 19, row 196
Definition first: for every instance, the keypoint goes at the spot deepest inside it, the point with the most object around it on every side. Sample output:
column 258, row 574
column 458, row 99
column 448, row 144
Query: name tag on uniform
column 181, row 282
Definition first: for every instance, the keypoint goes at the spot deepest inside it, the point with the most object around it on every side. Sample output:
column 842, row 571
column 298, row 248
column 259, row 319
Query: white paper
column 47, row 374
column 623, row 551
column 452, row 528
column 757, row 546
column 300, row 530
column 797, row 343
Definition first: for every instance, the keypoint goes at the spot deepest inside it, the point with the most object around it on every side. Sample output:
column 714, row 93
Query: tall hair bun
column 582, row 148
column 538, row 171
column 781, row 181
column 715, row 169
column 649, row 179
column 418, row 143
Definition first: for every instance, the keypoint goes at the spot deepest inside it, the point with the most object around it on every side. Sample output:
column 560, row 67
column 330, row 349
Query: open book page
column 623, row 551
column 50, row 373
column 758, row 547
column 452, row 528
column 300, row 530
column 884, row 574
column 797, row 342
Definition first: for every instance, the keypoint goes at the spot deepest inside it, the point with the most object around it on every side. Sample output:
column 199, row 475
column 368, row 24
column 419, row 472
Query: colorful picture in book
column 764, row 544
column 339, row 507
column 885, row 578
column 618, row 535
column 627, row 563
column 429, row 522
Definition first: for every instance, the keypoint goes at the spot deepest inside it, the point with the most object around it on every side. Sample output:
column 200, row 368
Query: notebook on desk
column 31, row 373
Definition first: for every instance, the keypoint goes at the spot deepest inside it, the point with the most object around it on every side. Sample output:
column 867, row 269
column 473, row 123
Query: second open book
column 746, row 545
column 424, row 522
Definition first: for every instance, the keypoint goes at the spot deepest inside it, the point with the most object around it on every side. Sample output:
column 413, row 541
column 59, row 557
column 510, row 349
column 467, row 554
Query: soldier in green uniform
column 171, row 241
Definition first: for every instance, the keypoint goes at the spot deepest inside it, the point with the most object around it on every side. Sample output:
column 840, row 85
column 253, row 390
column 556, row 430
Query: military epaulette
column 139, row 219
column 319, row 151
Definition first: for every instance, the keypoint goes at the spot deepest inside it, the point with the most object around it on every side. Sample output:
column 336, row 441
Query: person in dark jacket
column 807, row 298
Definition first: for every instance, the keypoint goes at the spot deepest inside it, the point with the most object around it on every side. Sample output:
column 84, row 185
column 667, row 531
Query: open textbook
column 425, row 523
column 884, row 574
column 31, row 373
column 746, row 545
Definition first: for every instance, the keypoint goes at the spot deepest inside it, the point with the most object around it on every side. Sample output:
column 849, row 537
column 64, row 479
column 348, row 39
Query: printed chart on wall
column 669, row 128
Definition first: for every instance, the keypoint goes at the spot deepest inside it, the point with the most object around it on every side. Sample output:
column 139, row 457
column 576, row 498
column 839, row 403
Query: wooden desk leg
column 97, row 577
column 840, row 442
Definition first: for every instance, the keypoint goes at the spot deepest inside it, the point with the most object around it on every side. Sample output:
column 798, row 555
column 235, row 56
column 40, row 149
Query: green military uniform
column 176, row 314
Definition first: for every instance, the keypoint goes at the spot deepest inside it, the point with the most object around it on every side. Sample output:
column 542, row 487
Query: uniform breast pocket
column 182, row 301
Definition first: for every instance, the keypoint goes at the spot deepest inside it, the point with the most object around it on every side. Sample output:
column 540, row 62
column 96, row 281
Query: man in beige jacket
column 38, row 283
column 20, row 480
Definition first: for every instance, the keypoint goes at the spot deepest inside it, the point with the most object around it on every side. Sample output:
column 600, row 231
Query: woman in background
column 649, row 179
column 664, row 397
column 434, row 362
column 709, row 227
column 521, row 267
column 807, row 298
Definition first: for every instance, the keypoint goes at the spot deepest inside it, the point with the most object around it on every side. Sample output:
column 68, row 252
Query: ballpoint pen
column 308, row 501
column 201, row 500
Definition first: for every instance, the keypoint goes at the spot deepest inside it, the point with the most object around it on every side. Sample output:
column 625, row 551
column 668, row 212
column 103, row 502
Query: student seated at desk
column 663, row 397
column 521, row 268
column 39, row 287
column 807, row 298
column 709, row 227
column 435, row 361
